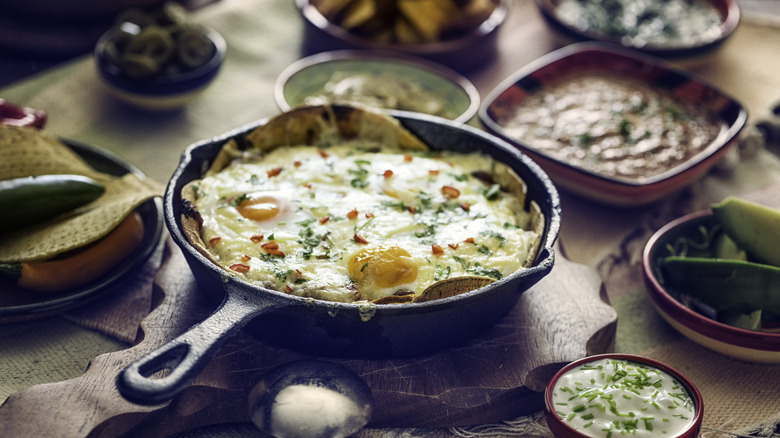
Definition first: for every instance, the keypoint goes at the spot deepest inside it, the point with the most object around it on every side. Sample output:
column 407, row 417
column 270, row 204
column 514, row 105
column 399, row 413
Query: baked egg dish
column 358, row 210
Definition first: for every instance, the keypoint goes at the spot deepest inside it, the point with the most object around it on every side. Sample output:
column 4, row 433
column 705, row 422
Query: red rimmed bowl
column 726, row 116
column 748, row 345
column 466, row 51
column 572, row 19
column 567, row 417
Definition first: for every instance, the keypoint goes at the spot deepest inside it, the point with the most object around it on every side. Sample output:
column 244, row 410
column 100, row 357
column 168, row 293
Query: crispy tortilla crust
column 323, row 125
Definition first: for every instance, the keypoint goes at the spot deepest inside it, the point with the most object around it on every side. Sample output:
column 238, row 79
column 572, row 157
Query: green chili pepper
column 35, row 199
column 725, row 285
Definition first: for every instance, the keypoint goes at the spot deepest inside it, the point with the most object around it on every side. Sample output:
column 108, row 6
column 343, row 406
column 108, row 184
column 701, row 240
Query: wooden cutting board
column 499, row 375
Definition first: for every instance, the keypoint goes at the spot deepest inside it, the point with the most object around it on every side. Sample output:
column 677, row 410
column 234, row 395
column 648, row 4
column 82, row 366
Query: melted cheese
column 350, row 223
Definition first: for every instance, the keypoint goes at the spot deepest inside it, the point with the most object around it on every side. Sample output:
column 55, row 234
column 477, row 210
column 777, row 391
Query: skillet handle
column 186, row 355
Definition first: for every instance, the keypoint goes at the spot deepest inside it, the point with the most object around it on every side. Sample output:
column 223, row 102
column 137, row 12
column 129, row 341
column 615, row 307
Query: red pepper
column 239, row 267
column 21, row 116
column 273, row 249
column 450, row 192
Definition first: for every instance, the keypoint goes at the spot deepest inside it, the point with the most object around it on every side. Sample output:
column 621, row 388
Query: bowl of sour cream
column 617, row 394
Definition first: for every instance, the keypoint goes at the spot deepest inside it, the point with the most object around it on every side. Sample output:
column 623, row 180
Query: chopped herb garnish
column 585, row 138
column 429, row 231
column 442, row 273
column 400, row 205
column 236, row 201
column 490, row 233
column 492, row 192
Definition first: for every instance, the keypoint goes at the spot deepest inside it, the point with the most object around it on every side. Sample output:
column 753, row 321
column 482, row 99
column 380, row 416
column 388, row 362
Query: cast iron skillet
column 328, row 328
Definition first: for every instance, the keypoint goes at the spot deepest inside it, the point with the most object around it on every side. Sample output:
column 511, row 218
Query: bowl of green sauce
column 378, row 79
column 611, row 395
column 672, row 28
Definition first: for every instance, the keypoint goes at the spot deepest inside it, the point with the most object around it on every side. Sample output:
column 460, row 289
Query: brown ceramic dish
column 468, row 52
column 728, row 10
column 749, row 345
column 727, row 115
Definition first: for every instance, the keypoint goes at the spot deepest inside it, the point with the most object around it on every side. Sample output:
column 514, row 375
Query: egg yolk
column 260, row 208
column 382, row 266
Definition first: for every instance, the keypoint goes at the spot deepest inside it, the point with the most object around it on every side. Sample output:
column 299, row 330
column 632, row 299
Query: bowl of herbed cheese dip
column 621, row 394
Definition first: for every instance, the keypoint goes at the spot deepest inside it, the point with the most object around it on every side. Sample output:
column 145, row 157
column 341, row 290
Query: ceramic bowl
column 725, row 113
column 159, row 92
column 467, row 52
column 749, row 345
column 306, row 78
column 556, row 412
column 719, row 30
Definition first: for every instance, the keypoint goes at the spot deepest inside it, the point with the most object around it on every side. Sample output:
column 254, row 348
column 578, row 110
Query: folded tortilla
column 30, row 152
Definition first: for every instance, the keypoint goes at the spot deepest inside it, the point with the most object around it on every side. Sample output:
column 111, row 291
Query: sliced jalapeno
column 194, row 48
column 139, row 66
column 725, row 285
column 154, row 42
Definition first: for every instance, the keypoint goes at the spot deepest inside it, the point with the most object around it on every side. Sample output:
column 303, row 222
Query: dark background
column 32, row 41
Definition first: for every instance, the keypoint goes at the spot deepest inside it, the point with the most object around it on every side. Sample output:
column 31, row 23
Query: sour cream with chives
column 612, row 397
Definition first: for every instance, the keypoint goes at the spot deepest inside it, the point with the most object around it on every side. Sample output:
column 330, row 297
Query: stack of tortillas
column 29, row 152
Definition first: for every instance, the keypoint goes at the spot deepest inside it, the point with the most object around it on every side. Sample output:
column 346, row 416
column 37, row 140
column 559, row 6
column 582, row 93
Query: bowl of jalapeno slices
column 714, row 275
column 158, row 59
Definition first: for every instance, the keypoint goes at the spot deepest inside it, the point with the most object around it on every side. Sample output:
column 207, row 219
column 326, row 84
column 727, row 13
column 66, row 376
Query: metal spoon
column 312, row 399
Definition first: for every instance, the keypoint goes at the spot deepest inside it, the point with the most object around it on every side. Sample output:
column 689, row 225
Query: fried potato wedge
column 406, row 21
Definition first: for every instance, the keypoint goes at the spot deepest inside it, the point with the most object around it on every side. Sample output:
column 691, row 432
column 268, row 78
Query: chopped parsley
column 442, row 272
column 490, row 233
column 492, row 192
column 478, row 269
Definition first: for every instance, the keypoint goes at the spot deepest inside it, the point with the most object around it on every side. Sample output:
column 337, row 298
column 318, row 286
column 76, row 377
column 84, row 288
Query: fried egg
column 356, row 222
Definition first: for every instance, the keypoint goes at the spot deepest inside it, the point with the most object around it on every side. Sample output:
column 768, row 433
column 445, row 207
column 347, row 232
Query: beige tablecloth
column 264, row 37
